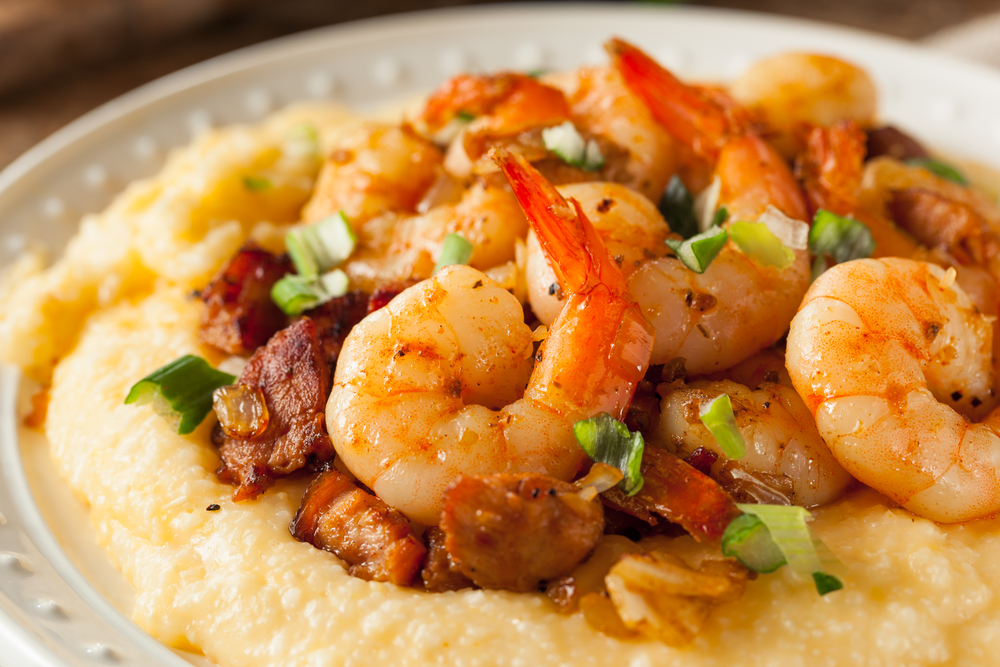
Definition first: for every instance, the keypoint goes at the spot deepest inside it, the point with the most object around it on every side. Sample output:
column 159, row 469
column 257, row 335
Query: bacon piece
column 292, row 374
column 893, row 142
column 375, row 541
column 335, row 319
column 677, row 492
column 514, row 531
column 439, row 573
column 940, row 222
column 240, row 314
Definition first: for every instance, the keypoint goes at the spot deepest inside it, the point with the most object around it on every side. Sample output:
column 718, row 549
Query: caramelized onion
column 241, row 410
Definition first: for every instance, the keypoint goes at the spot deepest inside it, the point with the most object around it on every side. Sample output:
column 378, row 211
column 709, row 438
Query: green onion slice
column 819, row 267
column 322, row 245
column 706, row 203
column 256, row 183
column 302, row 141
column 760, row 243
column 719, row 419
column 181, row 391
column 747, row 539
column 454, row 250
column 720, row 216
column 942, row 169
column 607, row 440
column 295, row 294
column 698, row 251
column 841, row 238
column 792, row 233
column 677, row 208
column 569, row 145
column 789, row 532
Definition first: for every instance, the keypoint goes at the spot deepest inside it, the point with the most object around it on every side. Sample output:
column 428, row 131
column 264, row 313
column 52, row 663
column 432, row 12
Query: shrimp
column 601, row 103
column 736, row 307
column 893, row 359
column 432, row 386
column 786, row 461
column 791, row 90
column 390, row 183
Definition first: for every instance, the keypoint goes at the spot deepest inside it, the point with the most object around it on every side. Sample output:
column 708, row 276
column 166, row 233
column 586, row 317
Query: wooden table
column 69, row 56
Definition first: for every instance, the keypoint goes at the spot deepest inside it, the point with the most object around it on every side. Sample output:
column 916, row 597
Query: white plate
column 59, row 599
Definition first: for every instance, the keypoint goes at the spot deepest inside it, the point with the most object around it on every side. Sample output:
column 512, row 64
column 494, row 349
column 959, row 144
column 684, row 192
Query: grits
column 235, row 585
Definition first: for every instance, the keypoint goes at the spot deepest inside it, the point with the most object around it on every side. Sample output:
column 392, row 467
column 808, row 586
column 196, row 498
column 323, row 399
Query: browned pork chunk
column 240, row 316
column 940, row 222
column 677, row 492
column 439, row 573
column 375, row 541
column 292, row 374
column 513, row 532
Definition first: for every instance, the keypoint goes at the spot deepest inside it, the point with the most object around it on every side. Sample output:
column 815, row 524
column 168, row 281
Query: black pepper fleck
column 213, row 508
column 956, row 395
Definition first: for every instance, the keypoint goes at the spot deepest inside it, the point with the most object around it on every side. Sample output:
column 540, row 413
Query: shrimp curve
column 892, row 358
column 432, row 387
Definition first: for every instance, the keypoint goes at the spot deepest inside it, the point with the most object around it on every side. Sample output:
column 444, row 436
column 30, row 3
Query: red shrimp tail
column 572, row 246
column 688, row 113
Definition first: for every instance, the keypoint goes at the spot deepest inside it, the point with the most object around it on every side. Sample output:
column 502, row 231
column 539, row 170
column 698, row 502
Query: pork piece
column 940, row 222
column 890, row 141
column 439, row 573
column 677, row 492
column 375, row 541
column 294, row 378
column 514, row 531
column 240, row 315
column 335, row 318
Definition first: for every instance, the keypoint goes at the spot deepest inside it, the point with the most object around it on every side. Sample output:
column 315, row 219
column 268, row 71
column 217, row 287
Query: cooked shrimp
column 786, row 460
column 602, row 104
column 891, row 356
column 389, row 182
column 791, row 90
column 736, row 307
column 432, row 386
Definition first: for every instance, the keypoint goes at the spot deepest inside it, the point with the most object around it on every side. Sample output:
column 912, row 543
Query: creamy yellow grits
column 235, row 584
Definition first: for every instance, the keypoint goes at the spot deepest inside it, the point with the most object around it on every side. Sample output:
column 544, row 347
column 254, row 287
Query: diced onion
column 241, row 409
column 792, row 233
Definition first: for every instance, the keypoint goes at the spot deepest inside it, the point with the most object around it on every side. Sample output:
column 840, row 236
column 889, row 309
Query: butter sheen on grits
column 236, row 585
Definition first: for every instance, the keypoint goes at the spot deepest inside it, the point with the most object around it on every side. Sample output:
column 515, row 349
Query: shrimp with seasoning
column 390, row 183
column 737, row 306
column 893, row 383
column 432, row 386
column 786, row 461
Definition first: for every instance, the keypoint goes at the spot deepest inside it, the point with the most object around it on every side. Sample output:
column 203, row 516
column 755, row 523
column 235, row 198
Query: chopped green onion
column 719, row 419
column 568, row 144
column 826, row 583
column 720, row 216
column 787, row 527
column 465, row 116
column 607, row 440
column 706, row 203
column 747, row 539
column 295, row 294
column 677, row 208
column 322, row 245
column 535, row 73
column 760, row 243
column 698, row 251
column 181, row 391
column 455, row 250
column 942, row 169
column 794, row 234
column 842, row 238
column 256, row 183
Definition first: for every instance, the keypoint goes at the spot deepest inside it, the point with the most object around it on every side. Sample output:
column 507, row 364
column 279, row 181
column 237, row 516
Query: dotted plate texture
column 54, row 615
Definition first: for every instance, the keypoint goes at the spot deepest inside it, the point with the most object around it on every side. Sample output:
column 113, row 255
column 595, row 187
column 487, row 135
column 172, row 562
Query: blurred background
column 61, row 58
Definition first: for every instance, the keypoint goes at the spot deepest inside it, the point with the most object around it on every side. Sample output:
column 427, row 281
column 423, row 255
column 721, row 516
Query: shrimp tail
column 574, row 248
column 688, row 113
column 600, row 327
